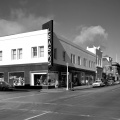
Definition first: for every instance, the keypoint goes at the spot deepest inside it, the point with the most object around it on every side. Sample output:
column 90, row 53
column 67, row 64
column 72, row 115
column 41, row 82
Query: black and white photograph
column 59, row 59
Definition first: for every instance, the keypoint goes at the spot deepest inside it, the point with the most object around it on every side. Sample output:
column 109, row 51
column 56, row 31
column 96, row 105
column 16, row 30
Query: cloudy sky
column 85, row 22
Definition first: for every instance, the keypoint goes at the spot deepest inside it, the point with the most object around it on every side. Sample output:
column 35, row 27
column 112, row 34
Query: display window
column 17, row 78
column 52, row 78
column 1, row 76
column 83, row 78
column 44, row 78
column 40, row 79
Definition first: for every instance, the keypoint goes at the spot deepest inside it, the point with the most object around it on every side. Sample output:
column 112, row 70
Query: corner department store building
column 38, row 58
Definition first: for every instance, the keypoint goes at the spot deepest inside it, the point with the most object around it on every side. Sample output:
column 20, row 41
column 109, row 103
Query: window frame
column 85, row 62
column 13, row 54
column 55, row 53
column 19, row 53
column 79, row 60
column 73, row 58
column 34, row 52
column 41, row 52
column 1, row 55
column 64, row 55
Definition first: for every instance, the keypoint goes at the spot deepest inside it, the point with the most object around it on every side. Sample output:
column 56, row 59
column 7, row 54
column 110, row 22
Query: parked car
column 5, row 86
column 110, row 82
column 98, row 83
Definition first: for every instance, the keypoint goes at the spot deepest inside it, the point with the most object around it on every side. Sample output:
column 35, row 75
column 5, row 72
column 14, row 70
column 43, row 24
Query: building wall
column 70, row 48
column 98, row 53
column 27, row 69
column 25, row 41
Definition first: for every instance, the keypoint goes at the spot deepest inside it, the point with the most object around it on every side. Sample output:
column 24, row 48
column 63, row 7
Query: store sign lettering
column 49, row 48
column 49, row 26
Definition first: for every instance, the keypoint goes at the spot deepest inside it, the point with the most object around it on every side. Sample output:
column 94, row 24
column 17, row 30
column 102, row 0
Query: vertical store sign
column 49, row 26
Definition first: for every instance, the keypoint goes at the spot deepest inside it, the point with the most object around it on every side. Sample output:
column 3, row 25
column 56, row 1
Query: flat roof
column 26, row 34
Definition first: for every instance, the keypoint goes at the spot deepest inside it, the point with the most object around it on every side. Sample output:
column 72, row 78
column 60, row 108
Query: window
column 41, row 51
column 89, row 64
column 13, row 54
column 19, row 53
column 64, row 53
column 92, row 64
column 79, row 60
column 17, row 78
column 1, row 76
column 0, row 55
column 55, row 53
column 85, row 62
column 73, row 58
column 34, row 52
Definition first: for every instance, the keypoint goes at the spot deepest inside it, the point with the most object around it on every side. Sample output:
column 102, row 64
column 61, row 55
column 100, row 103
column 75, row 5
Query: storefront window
column 40, row 79
column 17, row 78
column 63, row 80
column 52, row 77
column 83, row 78
column 45, row 79
column 1, row 76
column 75, row 79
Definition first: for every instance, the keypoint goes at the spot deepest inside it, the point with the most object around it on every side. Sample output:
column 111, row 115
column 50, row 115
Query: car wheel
column 3, row 88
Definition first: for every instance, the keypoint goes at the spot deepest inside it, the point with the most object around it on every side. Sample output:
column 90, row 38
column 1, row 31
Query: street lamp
column 67, row 76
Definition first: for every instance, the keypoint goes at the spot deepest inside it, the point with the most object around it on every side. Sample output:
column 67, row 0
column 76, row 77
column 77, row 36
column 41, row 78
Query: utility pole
column 67, row 77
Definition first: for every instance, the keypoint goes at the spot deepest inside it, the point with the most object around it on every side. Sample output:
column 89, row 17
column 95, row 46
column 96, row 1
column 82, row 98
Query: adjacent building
column 116, row 70
column 98, row 53
column 39, row 58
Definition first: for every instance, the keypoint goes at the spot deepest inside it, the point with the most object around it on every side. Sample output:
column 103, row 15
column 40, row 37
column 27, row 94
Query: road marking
column 55, row 112
column 38, row 115
column 69, row 96
column 22, row 96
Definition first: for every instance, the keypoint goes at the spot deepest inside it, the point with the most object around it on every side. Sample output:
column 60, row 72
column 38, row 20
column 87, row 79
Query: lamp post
column 67, row 76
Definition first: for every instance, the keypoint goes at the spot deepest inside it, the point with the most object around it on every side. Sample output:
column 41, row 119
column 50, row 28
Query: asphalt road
column 88, row 104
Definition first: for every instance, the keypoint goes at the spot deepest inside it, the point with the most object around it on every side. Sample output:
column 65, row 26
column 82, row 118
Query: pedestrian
column 56, row 83
column 86, row 82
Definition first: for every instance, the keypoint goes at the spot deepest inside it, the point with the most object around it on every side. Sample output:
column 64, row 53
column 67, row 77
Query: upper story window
column 19, row 53
column 0, row 55
column 73, row 60
column 79, row 60
column 64, row 54
column 55, row 53
column 34, row 52
column 41, row 51
column 13, row 54
column 89, row 64
column 92, row 64
column 85, row 62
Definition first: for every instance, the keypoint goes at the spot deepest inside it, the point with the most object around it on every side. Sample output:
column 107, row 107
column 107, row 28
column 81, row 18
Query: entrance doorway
column 38, row 79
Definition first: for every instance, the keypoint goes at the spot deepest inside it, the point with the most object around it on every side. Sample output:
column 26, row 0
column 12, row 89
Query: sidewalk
column 64, row 89
column 55, row 89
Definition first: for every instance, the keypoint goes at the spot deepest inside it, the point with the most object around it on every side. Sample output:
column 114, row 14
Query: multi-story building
column 39, row 58
column 107, row 64
column 97, row 51
column 116, row 70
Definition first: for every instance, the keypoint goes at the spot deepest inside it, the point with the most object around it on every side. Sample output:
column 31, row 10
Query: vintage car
column 98, row 83
column 5, row 86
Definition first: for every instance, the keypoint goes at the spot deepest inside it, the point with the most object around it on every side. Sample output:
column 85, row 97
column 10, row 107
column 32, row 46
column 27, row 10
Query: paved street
column 81, row 104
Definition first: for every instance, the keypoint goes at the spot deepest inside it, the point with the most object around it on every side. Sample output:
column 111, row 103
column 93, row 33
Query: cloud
column 23, row 2
column 20, row 22
column 93, row 35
